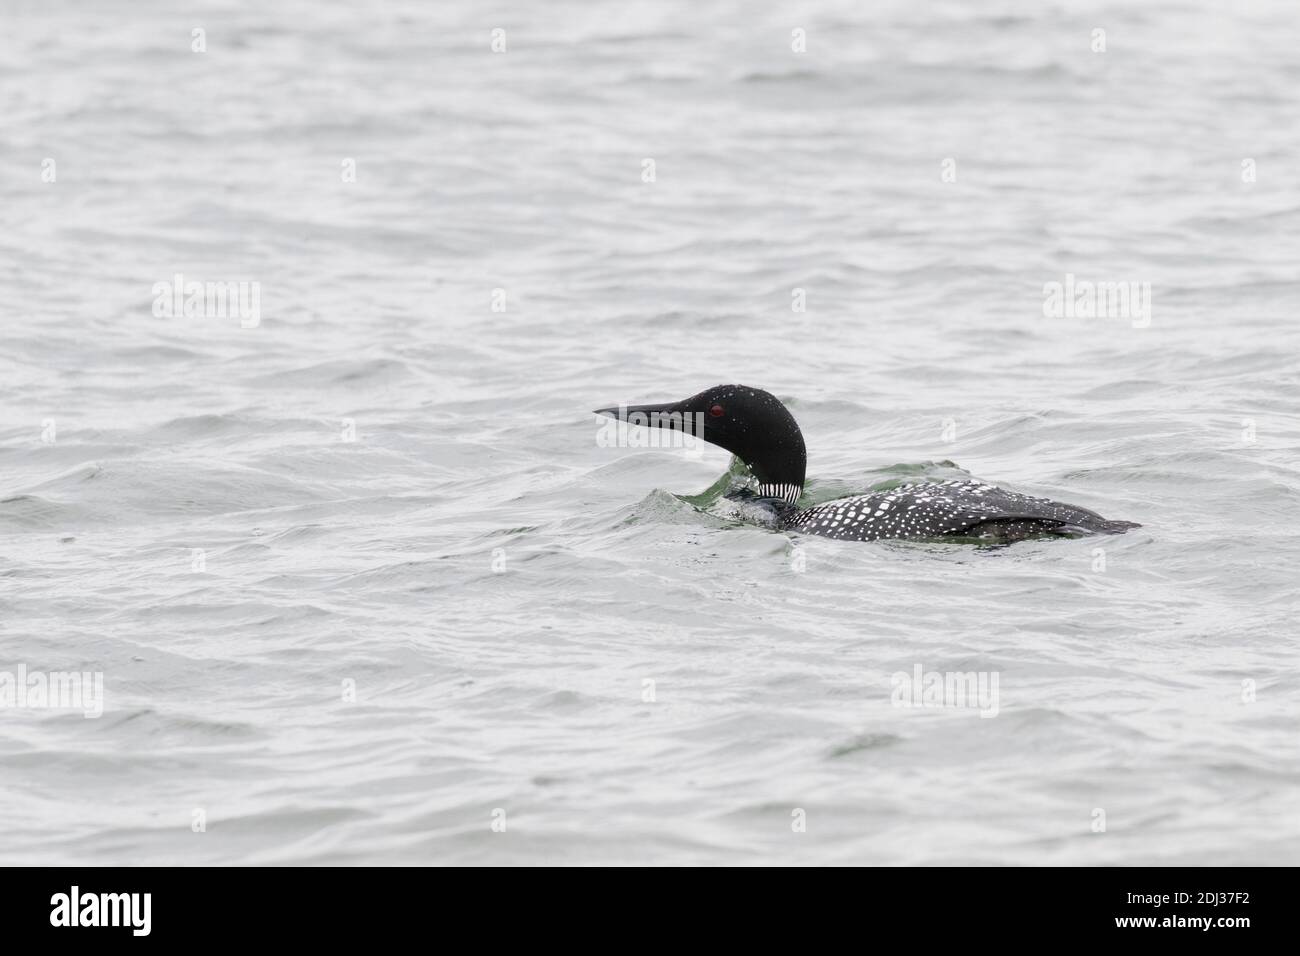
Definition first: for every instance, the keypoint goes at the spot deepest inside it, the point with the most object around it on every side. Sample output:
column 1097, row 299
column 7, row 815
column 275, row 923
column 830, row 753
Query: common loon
column 759, row 430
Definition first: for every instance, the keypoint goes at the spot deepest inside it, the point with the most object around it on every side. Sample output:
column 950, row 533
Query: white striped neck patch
column 784, row 492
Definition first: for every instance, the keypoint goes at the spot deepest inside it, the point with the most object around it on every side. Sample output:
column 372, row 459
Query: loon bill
column 755, row 427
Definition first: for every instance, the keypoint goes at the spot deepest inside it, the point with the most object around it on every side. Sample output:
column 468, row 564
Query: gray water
column 364, row 585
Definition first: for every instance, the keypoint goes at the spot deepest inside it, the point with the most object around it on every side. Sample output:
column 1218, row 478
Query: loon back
column 958, row 507
column 758, row 429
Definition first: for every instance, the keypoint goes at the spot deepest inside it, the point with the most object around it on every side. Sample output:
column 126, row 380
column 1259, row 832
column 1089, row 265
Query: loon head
column 748, row 422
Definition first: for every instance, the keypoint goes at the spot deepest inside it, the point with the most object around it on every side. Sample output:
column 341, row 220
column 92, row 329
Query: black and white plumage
column 957, row 507
column 756, row 427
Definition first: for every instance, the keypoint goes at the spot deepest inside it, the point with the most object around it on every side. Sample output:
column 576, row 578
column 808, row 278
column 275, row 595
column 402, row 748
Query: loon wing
column 956, row 507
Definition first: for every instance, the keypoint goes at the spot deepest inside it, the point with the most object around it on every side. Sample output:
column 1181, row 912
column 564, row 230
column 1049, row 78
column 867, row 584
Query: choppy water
column 136, row 448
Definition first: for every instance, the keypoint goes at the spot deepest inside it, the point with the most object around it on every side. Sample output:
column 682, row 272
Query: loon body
column 758, row 429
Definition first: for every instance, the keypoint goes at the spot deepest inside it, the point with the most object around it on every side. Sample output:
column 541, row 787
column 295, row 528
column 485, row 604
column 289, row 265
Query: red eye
column 716, row 411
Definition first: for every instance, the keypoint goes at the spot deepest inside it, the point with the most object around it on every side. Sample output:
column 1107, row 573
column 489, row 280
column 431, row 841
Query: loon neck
column 773, row 448
column 788, row 492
